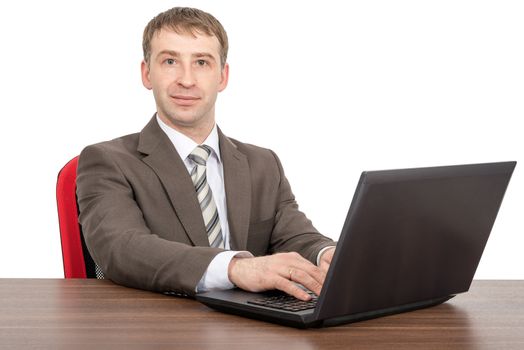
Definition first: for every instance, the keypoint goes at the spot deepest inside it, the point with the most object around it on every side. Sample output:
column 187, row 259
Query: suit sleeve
column 293, row 231
column 118, row 238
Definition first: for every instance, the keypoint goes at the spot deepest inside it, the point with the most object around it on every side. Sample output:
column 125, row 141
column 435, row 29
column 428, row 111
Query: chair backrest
column 77, row 260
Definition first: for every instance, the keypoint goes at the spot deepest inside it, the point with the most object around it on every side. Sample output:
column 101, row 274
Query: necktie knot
column 200, row 154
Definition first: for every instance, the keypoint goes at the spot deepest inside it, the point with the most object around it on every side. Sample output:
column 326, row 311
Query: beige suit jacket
column 142, row 222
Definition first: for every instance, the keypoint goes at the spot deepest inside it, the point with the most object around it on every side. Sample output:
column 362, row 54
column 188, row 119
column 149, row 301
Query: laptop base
column 306, row 320
column 384, row 312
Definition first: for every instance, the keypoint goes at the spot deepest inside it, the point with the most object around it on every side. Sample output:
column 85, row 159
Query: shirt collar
column 184, row 145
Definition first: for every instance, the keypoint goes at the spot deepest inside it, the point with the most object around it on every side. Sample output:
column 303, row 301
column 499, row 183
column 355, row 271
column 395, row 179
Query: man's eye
column 170, row 61
column 201, row 62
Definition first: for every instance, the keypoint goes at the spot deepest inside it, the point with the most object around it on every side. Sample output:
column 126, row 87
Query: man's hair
column 185, row 20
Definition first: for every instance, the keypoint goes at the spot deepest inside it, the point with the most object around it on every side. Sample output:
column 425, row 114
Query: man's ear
column 224, row 78
column 146, row 81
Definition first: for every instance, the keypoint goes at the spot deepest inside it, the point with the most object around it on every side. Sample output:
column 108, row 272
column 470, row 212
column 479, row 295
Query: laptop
column 412, row 238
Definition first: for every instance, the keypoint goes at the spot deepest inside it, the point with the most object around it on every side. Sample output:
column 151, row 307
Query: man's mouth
column 185, row 100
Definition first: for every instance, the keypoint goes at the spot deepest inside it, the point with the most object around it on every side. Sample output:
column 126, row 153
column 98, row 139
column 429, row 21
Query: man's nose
column 186, row 77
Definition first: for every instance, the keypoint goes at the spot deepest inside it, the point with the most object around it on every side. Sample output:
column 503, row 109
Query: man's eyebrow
column 168, row 52
column 204, row 54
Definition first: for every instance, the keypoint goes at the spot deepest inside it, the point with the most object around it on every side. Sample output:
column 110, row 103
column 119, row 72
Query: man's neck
column 197, row 133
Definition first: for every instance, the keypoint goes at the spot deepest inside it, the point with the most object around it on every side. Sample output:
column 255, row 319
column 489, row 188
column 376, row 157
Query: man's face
column 185, row 75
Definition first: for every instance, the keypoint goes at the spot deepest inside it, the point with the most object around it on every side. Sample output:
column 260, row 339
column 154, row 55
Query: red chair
column 77, row 260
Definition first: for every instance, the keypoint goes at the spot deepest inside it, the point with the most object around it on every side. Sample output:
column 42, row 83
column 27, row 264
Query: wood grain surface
column 97, row 314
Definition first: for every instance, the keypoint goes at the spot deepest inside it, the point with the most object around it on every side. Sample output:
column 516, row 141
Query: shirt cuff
column 319, row 255
column 216, row 275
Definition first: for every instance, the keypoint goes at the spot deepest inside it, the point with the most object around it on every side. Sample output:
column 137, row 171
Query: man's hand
column 325, row 259
column 279, row 271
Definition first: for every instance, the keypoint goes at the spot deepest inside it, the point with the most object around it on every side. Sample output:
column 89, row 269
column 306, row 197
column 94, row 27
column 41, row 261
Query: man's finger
column 307, row 281
column 315, row 272
column 324, row 266
column 291, row 288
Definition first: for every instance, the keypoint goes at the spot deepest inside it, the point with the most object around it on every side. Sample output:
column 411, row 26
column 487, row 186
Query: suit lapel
column 162, row 157
column 238, row 191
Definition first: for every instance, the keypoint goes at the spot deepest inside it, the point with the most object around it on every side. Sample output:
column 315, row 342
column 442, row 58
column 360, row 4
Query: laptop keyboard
column 286, row 302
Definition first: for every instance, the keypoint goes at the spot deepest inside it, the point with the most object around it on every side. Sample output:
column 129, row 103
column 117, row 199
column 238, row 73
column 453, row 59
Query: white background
column 334, row 87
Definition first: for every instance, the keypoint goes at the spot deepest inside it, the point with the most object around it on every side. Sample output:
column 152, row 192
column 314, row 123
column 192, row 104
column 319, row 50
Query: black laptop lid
column 413, row 235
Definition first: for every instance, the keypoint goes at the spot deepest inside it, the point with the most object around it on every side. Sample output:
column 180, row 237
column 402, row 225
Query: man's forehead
column 169, row 39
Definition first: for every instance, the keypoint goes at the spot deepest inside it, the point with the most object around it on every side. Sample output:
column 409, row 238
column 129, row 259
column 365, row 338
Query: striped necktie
column 205, row 197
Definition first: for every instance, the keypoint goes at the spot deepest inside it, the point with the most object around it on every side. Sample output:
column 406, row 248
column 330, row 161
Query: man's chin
column 182, row 120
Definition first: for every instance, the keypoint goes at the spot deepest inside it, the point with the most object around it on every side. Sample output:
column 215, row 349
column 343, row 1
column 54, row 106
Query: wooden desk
column 94, row 314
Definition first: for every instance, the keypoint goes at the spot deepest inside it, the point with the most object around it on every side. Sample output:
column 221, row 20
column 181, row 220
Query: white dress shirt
column 216, row 276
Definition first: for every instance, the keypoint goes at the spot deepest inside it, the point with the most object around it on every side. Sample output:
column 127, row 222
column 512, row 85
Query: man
column 180, row 206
